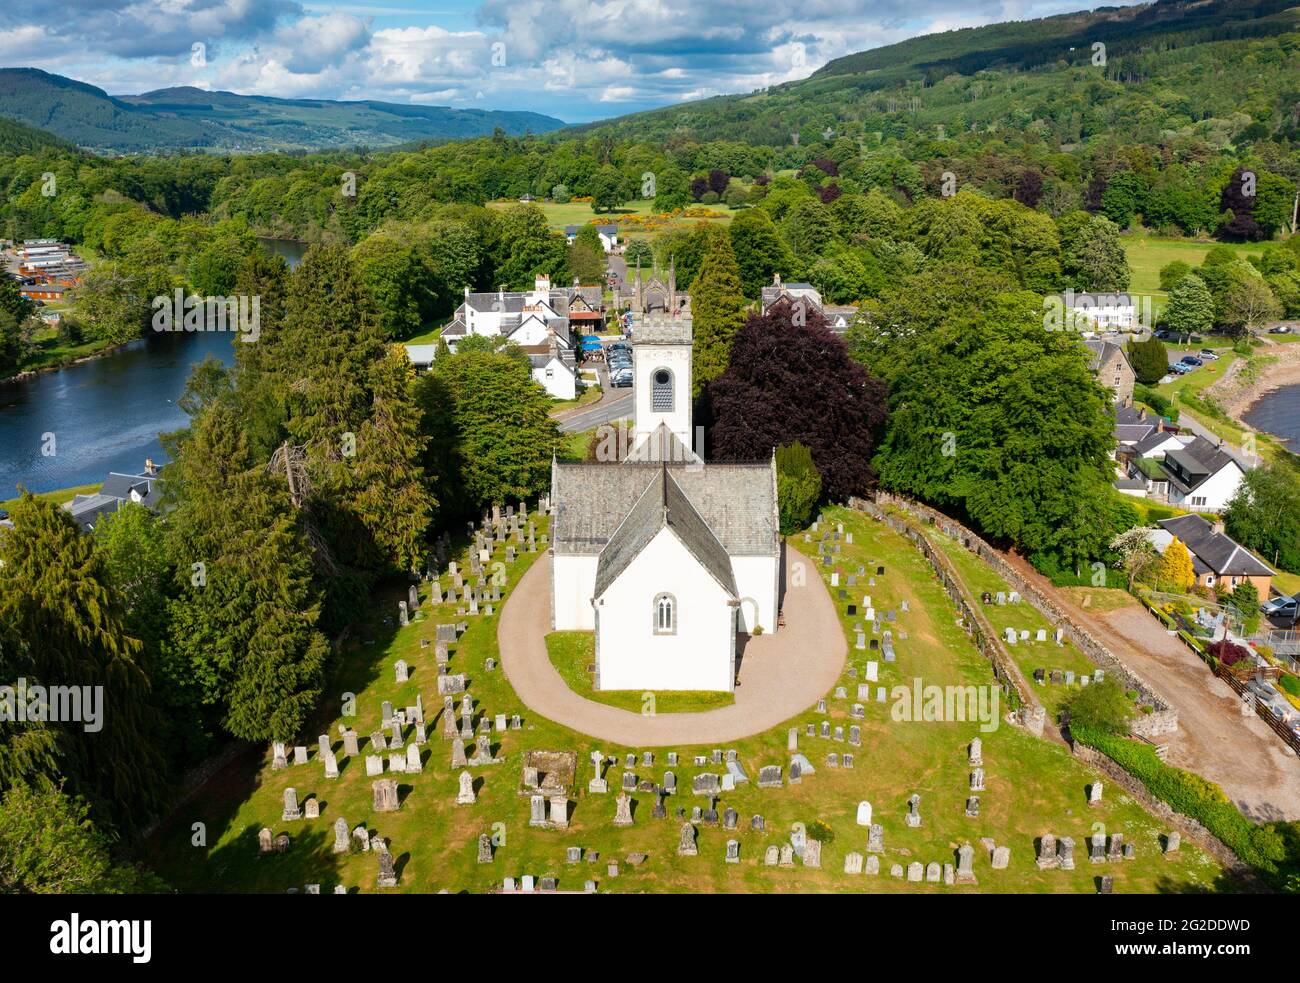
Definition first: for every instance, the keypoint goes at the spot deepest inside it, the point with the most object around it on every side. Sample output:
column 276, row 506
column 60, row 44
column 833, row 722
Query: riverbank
column 68, row 361
column 1238, row 391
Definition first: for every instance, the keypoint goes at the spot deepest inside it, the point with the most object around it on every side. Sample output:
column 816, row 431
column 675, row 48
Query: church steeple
column 672, row 284
column 637, row 304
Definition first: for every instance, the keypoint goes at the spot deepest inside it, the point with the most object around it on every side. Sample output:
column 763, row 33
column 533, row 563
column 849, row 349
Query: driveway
column 1240, row 753
column 781, row 674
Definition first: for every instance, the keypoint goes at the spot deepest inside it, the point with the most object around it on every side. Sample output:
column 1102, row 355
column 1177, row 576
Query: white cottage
column 668, row 560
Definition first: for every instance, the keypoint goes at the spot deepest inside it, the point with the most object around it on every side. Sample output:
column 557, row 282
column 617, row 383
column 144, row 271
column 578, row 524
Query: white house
column 1201, row 477
column 608, row 236
column 668, row 560
column 556, row 374
column 526, row 317
column 838, row 316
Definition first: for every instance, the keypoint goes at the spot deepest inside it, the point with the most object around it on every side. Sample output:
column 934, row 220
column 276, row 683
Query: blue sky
column 575, row 59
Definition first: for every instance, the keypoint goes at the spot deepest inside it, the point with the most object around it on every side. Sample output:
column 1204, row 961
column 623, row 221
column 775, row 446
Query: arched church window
column 661, row 391
column 665, row 614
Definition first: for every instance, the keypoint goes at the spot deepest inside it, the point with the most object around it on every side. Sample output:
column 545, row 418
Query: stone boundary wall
column 196, row 778
column 1031, row 714
column 1186, row 825
column 1164, row 718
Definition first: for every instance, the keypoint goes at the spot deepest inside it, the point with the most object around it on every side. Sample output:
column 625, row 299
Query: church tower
column 661, row 353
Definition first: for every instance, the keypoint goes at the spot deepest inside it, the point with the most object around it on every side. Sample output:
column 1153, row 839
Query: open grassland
column 1033, row 785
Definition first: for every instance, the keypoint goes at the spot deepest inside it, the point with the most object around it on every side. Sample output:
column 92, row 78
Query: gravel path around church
column 781, row 674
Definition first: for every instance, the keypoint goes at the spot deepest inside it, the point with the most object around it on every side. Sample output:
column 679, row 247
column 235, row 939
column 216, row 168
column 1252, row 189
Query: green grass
column 572, row 651
column 49, row 352
column 1147, row 254
column 1030, row 654
column 426, row 338
column 1033, row 784
column 58, row 497
column 580, row 213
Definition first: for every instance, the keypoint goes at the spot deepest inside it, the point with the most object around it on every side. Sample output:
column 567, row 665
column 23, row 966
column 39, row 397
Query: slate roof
column 1102, row 351
column 663, row 504
column 1216, row 551
column 1152, row 441
column 1195, row 463
column 736, row 501
column 122, row 485
column 1128, row 433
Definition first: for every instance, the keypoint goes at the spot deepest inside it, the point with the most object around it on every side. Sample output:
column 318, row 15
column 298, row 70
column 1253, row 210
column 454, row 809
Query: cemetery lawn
column 571, row 652
column 1033, row 785
column 1028, row 654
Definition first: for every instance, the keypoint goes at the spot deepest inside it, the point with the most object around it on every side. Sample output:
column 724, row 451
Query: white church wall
column 698, row 656
column 573, row 586
column 756, row 584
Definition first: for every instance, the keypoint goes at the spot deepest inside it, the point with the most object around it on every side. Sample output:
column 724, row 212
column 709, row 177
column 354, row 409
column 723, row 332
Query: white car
column 1208, row 353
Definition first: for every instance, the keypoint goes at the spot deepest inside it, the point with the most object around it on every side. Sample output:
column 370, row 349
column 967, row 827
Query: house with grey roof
column 668, row 560
column 608, row 236
column 1111, row 366
column 526, row 317
column 1218, row 561
column 838, row 316
column 117, row 489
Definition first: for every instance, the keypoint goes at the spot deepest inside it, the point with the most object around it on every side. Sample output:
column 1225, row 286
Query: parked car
column 1209, row 354
column 1280, row 329
column 1191, row 360
column 1283, row 607
column 1182, row 368
column 621, row 380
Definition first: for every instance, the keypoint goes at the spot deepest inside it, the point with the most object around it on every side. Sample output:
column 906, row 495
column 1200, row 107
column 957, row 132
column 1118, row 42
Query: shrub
column 1102, row 707
column 821, row 831
column 1229, row 653
column 1289, row 684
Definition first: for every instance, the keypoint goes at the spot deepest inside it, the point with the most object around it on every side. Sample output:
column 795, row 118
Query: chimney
column 467, row 291
column 150, row 468
column 1217, row 526
column 1160, row 424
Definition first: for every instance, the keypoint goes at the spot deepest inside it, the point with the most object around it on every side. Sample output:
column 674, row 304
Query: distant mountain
column 190, row 118
column 19, row 138
column 1167, row 63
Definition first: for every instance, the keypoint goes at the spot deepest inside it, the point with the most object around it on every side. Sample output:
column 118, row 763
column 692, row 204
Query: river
column 104, row 414
column 1278, row 412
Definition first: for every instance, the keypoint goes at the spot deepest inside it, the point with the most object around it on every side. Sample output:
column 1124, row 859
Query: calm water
column 105, row 414
column 1278, row 413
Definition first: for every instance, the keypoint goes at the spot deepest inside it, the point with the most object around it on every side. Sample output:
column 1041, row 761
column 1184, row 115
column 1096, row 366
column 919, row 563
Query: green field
column 1147, row 254
column 1033, row 785
column 580, row 213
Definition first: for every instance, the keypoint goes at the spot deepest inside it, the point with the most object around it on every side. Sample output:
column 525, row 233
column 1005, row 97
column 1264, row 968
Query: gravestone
column 299, row 755
column 812, row 854
column 853, row 863
column 1047, row 858
column 340, row 835
column 465, row 797
column 374, row 765
column 914, row 810
column 915, row 872
column 965, row 864
column 623, row 810
column 1065, row 853
column 1094, row 793
column 1001, row 857
column 350, row 742
column 291, row 810
column 1172, row 841
column 771, row 856
column 385, row 795
column 484, row 848
column 733, row 852
column 876, row 838
column 977, row 780
column 265, row 840
column 933, row 873
column 686, row 844
column 976, row 753
column 413, row 762
column 401, row 671
column 864, row 813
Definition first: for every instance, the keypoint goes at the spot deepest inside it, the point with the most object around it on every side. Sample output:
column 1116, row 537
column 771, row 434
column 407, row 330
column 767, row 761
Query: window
column 665, row 615
column 661, row 391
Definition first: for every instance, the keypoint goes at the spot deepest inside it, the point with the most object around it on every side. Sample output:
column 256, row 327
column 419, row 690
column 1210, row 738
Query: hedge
column 1189, row 794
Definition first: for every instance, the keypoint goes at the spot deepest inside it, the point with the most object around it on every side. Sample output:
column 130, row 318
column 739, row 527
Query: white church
column 668, row 560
